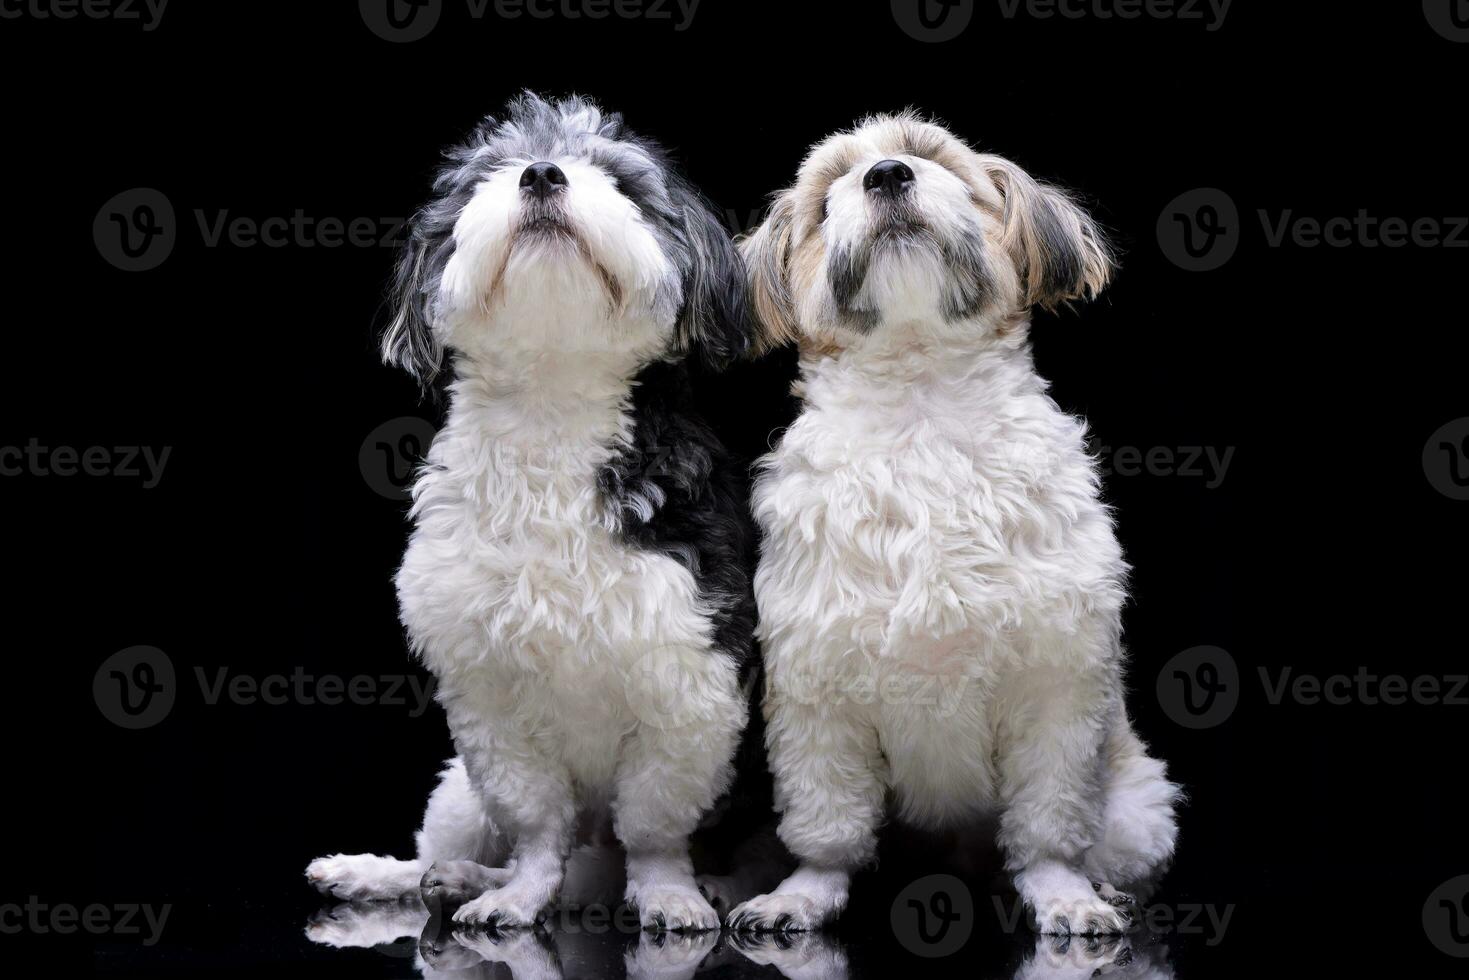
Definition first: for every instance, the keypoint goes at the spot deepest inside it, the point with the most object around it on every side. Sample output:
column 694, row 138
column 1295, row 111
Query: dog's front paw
column 502, row 908
column 675, row 908
column 1081, row 916
column 781, row 912
column 1063, row 903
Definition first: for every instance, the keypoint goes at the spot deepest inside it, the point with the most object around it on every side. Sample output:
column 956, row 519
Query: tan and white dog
column 940, row 588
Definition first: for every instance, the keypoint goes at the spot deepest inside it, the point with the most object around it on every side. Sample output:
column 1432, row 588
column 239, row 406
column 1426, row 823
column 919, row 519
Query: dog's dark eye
column 825, row 206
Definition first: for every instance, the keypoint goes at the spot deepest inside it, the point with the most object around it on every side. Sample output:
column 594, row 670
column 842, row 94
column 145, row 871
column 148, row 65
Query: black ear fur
column 712, row 325
column 409, row 341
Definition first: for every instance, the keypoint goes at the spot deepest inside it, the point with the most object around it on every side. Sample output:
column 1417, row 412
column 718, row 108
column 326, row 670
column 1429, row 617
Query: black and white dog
column 578, row 576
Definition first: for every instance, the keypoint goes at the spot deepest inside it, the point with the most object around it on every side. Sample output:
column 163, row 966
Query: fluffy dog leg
column 667, row 779
column 1051, row 794
column 1139, row 829
column 531, row 796
column 828, row 768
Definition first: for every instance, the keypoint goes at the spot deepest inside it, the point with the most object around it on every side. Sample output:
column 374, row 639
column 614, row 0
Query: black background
column 264, row 548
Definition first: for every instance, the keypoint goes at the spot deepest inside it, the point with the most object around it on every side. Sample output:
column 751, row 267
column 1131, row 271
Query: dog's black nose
column 543, row 179
column 891, row 177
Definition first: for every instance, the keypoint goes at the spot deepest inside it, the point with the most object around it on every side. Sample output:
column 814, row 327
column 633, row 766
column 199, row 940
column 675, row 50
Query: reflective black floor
column 937, row 926
column 570, row 949
column 916, row 914
column 946, row 933
column 404, row 940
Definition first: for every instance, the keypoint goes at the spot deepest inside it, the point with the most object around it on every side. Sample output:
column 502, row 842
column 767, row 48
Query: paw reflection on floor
column 448, row 951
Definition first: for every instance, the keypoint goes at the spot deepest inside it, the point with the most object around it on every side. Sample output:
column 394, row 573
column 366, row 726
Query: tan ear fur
column 767, row 253
column 1058, row 250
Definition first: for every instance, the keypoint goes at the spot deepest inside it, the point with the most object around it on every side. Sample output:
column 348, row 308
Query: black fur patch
column 971, row 284
column 675, row 490
column 1064, row 268
column 846, row 271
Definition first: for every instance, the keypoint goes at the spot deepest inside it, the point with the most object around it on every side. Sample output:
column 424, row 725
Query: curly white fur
column 540, row 621
column 933, row 514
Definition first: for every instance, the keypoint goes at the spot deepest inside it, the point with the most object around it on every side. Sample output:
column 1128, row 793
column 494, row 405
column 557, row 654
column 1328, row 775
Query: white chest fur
column 514, row 568
column 933, row 531
column 926, row 494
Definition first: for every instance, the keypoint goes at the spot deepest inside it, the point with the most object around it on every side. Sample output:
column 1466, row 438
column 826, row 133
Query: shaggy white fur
column 552, row 636
column 940, row 587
